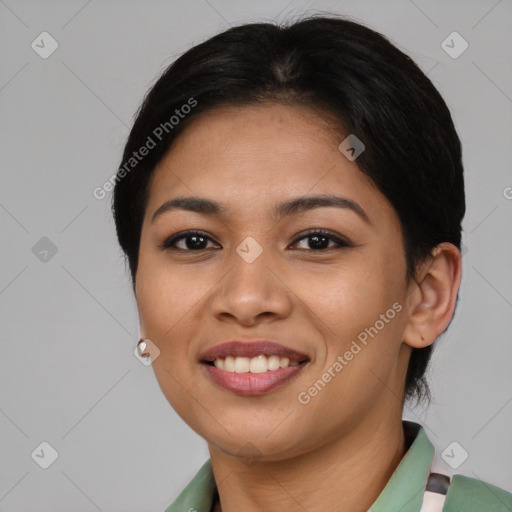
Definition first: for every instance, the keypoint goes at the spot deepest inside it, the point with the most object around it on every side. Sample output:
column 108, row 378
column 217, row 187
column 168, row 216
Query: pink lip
column 252, row 383
column 251, row 349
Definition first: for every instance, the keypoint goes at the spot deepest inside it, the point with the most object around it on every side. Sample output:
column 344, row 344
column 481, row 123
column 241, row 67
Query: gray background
column 69, row 325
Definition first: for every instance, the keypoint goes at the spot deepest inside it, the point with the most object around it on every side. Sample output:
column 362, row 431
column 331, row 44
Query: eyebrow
column 284, row 209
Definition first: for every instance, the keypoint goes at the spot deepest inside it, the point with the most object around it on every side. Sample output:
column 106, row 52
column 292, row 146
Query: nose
column 251, row 293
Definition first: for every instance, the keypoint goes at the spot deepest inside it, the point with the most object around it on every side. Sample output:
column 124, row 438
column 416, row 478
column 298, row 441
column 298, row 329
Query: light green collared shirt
column 403, row 492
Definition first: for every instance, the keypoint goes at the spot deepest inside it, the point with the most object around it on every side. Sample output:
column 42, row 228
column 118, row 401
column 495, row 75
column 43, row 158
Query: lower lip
column 252, row 383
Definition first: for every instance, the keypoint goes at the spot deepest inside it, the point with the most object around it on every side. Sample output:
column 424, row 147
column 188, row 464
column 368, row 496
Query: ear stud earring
column 141, row 347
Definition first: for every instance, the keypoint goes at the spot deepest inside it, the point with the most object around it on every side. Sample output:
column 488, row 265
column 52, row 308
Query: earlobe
column 433, row 295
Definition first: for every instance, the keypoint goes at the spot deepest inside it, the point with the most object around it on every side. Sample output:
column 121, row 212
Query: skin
column 338, row 451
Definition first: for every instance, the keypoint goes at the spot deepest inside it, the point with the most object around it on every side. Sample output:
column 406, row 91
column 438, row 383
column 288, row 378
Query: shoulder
column 467, row 494
column 198, row 495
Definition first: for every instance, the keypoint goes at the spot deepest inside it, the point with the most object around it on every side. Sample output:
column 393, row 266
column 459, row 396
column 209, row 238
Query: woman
column 290, row 203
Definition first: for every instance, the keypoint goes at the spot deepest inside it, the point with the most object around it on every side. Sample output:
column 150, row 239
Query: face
column 272, row 257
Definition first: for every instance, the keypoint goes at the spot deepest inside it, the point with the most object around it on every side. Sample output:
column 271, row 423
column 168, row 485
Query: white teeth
column 273, row 362
column 229, row 364
column 258, row 364
column 242, row 364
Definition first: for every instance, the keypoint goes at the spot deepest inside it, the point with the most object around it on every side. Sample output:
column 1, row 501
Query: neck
column 345, row 474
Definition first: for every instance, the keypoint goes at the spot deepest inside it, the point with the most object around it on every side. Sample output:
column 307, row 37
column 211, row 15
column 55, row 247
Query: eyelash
column 168, row 243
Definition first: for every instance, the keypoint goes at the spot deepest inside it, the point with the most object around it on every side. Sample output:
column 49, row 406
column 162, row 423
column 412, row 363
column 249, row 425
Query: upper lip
column 253, row 348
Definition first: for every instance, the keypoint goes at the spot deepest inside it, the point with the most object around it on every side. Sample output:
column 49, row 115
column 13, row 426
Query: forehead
column 261, row 153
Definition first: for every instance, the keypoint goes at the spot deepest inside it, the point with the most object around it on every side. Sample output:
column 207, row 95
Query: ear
column 432, row 296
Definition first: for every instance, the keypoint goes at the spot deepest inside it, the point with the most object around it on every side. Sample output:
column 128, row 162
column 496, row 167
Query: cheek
column 163, row 305
column 170, row 303
column 356, row 307
column 161, row 301
column 347, row 298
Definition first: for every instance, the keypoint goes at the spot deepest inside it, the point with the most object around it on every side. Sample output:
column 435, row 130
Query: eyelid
column 341, row 241
column 169, row 242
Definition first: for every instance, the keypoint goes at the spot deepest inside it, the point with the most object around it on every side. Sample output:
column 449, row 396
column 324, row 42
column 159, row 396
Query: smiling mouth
column 252, row 376
column 259, row 364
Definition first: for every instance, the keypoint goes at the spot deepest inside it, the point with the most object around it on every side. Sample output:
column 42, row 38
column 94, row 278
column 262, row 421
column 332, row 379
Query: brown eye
column 321, row 240
column 188, row 241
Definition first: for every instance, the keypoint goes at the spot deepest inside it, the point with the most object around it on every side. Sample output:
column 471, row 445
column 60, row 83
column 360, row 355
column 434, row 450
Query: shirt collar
column 403, row 492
